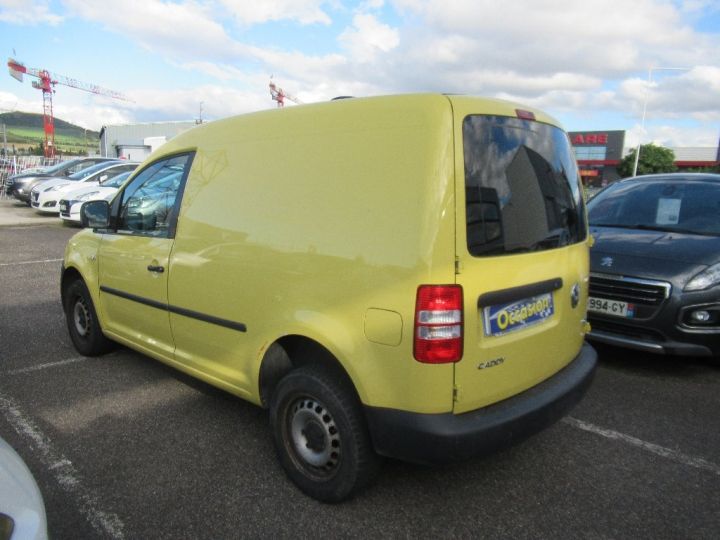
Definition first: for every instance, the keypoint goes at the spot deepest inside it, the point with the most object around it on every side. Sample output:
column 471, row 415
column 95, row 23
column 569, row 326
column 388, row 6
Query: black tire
column 320, row 435
column 82, row 321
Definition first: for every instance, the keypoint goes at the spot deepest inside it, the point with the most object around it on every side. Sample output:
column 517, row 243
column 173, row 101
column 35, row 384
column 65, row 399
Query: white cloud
column 10, row 102
column 176, row 29
column 28, row 13
column 302, row 11
column 184, row 104
column 368, row 38
column 671, row 94
column 603, row 38
column 672, row 136
column 580, row 59
column 309, row 69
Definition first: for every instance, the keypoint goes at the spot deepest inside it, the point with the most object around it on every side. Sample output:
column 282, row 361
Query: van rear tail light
column 438, row 324
column 525, row 115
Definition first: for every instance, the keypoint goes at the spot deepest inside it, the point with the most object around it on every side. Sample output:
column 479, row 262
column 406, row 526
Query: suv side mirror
column 95, row 214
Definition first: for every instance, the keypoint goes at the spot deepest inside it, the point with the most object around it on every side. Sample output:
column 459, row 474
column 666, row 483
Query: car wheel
column 320, row 435
column 82, row 321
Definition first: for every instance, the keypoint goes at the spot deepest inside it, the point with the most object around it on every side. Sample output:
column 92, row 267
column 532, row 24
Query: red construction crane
column 279, row 95
column 47, row 83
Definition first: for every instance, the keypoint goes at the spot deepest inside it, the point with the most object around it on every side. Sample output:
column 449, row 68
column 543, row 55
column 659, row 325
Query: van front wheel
column 320, row 435
column 82, row 321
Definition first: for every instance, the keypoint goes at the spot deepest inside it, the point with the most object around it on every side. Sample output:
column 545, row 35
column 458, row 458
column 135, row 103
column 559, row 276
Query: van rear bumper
column 446, row 438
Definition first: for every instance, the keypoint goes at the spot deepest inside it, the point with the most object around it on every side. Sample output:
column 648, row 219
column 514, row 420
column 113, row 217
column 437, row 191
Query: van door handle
column 158, row 269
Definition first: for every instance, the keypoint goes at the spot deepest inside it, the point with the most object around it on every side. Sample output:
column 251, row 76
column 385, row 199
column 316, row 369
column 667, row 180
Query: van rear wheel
column 320, row 435
column 82, row 321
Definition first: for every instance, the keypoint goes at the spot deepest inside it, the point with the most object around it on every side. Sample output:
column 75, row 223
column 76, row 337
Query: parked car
column 44, row 197
column 70, row 206
column 20, row 185
column 655, row 281
column 409, row 280
column 22, row 511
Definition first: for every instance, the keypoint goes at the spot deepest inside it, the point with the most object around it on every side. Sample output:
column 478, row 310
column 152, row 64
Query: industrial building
column 599, row 153
column 136, row 141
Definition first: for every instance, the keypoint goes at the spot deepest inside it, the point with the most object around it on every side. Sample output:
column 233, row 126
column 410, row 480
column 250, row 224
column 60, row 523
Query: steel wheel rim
column 314, row 437
column 81, row 318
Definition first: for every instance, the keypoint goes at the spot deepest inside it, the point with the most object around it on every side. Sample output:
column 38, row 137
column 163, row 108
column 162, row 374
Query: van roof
column 460, row 105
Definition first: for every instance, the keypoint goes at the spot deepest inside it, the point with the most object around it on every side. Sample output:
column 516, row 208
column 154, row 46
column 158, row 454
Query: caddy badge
column 575, row 295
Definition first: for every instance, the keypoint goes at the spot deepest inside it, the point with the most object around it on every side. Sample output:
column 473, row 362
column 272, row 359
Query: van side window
column 149, row 203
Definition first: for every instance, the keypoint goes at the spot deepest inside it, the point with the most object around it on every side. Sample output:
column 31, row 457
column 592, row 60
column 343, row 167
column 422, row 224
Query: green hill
column 26, row 130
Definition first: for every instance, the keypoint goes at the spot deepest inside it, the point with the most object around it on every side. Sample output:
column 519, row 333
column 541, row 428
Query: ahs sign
column 590, row 138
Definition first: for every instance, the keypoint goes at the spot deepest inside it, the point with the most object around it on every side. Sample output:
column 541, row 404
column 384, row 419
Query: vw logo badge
column 575, row 295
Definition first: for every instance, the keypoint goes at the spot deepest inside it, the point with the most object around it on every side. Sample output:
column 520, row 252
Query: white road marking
column 30, row 262
column 105, row 523
column 667, row 453
column 39, row 367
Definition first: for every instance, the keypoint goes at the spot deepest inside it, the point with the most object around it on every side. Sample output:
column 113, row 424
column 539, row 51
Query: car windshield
column 522, row 188
column 116, row 181
column 60, row 167
column 672, row 205
column 84, row 173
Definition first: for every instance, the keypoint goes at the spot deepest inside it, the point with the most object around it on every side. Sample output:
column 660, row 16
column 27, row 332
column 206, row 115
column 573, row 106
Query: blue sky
column 586, row 63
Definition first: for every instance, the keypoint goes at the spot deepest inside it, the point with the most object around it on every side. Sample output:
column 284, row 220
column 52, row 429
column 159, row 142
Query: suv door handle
column 158, row 269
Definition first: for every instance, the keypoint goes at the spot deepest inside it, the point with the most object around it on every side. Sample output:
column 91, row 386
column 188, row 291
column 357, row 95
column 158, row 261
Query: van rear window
column 522, row 190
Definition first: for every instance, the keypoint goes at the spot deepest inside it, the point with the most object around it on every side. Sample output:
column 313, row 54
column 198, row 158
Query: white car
column 44, row 197
column 22, row 511
column 69, row 205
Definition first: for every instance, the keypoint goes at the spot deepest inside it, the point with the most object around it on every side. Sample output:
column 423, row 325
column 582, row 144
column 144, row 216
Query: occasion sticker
column 505, row 318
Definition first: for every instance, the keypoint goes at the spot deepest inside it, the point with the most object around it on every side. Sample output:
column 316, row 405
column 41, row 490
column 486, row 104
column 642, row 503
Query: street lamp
column 645, row 102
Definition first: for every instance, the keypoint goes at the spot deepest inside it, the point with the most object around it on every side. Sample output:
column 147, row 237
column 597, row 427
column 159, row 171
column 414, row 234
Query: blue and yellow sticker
column 505, row 318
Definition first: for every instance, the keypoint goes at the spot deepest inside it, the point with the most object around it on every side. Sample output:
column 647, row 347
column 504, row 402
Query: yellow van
column 396, row 276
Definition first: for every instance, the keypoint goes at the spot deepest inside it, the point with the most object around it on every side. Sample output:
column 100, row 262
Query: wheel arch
column 69, row 274
column 292, row 352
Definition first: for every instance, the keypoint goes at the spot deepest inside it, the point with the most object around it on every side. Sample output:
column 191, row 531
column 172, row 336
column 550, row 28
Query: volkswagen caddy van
column 399, row 276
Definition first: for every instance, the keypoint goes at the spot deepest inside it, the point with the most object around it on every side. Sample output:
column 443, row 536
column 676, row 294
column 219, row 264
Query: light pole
column 645, row 102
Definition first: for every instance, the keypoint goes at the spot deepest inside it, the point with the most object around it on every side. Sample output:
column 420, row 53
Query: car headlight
column 705, row 279
column 87, row 196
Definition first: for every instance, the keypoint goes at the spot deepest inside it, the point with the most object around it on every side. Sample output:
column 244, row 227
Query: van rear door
column 521, row 251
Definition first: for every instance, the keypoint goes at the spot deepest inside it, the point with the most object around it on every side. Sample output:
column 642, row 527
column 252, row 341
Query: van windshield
column 522, row 191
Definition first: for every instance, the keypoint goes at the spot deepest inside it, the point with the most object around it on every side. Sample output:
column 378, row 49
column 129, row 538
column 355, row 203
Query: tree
column 653, row 159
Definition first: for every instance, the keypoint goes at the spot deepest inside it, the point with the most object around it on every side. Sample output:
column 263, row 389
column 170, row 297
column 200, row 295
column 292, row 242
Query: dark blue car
column 655, row 264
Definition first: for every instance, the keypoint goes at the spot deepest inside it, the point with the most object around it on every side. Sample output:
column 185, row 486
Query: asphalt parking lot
column 124, row 447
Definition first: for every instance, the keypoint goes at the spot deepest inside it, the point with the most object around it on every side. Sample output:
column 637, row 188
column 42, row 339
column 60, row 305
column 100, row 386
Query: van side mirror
column 95, row 214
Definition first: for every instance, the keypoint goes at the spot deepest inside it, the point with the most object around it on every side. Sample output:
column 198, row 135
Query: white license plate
column 611, row 307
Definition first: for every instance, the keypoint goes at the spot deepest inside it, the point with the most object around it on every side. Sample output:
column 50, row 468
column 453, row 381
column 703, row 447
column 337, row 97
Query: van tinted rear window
column 521, row 187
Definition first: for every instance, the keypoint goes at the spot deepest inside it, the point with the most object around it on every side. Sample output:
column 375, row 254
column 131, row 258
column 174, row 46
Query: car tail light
column 438, row 324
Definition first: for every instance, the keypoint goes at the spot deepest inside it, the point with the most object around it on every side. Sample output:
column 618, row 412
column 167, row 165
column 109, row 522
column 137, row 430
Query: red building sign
column 589, row 138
